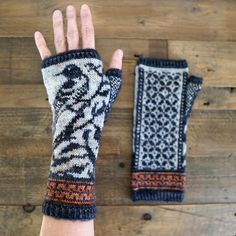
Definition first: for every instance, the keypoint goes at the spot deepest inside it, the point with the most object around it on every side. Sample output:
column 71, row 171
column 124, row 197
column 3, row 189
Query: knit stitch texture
column 164, row 96
column 80, row 95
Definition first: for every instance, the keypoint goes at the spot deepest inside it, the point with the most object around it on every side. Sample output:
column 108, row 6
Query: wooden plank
column 139, row 28
column 20, row 61
column 160, row 220
column 180, row 20
column 24, row 169
column 25, row 155
column 211, row 98
column 214, row 61
column 27, row 147
column 36, row 123
column 20, row 48
column 209, row 179
column 192, row 220
column 212, row 133
column 15, row 221
column 35, row 96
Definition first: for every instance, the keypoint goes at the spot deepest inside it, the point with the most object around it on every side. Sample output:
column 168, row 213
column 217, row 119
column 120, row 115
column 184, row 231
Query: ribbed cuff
column 195, row 79
column 158, row 186
column 69, row 211
column 157, row 195
column 68, row 199
column 69, row 55
column 114, row 72
column 162, row 63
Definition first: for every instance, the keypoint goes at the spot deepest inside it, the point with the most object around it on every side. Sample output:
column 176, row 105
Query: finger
column 72, row 28
column 41, row 45
column 116, row 59
column 87, row 28
column 59, row 37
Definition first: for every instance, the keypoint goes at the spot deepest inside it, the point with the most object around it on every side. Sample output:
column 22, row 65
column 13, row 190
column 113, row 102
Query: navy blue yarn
column 195, row 79
column 158, row 195
column 162, row 63
column 182, row 122
column 114, row 72
column 69, row 211
column 138, row 110
column 72, row 54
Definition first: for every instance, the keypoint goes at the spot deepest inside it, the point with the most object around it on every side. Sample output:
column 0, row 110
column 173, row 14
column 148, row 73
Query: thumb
column 116, row 59
column 194, row 85
column 114, row 73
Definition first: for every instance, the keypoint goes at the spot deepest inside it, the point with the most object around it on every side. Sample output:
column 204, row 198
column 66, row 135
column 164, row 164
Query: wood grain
column 36, row 123
column 181, row 20
column 35, row 96
column 214, row 61
column 20, row 62
column 25, row 154
column 209, row 180
column 203, row 33
column 170, row 220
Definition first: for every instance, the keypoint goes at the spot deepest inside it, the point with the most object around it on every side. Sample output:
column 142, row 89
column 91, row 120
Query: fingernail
column 120, row 52
column 84, row 7
column 70, row 8
column 57, row 13
column 37, row 34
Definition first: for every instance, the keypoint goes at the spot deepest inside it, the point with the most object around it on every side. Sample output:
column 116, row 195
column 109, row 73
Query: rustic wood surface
column 171, row 220
column 204, row 33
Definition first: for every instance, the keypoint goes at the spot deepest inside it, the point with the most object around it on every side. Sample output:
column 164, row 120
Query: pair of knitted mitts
column 81, row 96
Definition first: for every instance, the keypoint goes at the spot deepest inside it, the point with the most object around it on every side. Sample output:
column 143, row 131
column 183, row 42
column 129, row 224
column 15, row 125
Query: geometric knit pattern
column 80, row 96
column 164, row 95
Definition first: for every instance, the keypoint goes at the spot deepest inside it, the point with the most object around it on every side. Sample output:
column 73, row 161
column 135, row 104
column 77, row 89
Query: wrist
column 69, row 199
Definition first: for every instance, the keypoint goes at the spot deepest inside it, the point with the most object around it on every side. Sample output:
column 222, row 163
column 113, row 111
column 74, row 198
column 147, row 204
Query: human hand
column 71, row 41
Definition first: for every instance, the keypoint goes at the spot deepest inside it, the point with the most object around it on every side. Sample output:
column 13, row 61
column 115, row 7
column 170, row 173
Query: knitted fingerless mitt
column 80, row 96
column 164, row 96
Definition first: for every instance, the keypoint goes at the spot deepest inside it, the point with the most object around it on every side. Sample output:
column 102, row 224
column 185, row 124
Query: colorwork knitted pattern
column 164, row 96
column 80, row 96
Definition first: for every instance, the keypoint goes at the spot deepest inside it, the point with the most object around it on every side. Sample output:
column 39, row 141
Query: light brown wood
column 170, row 220
column 20, row 62
column 210, row 132
column 211, row 98
column 192, row 220
column 182, row 20
column 214, row 61
column 204, row 33
column 25, row 154
column 209, row 179
column 35, row 96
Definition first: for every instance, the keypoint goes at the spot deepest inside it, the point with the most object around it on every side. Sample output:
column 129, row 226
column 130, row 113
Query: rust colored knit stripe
column 71, row 192
column 158, row 180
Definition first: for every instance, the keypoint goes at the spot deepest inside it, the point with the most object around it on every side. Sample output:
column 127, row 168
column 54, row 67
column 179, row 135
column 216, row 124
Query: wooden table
column 204, row 33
